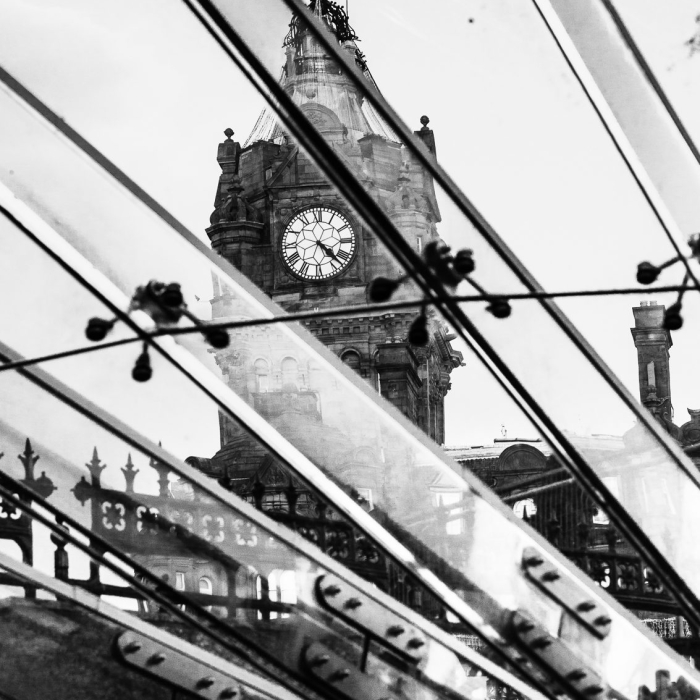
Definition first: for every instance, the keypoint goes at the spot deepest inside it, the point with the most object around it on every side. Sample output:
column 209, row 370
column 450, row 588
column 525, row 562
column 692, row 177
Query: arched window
column 283, row 589
column 526, row 506
column 290, row 372
column 352, row 360
column 262, row 375
column 205, row 586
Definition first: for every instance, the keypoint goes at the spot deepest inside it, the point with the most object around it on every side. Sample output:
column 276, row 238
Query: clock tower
column 280, row 222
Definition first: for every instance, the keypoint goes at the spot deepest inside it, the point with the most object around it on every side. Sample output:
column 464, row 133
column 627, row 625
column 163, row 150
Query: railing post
column 60, row 557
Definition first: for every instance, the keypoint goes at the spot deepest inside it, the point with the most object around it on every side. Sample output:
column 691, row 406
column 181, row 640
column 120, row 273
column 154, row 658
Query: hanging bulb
column 142, row 369
column 217, row 338
column 418, row 333
column 647, row 273
column 97, row 329
column 694, row 243
column 437, row 256
column 381, row 289
column 464, row 262
column 172, row 295
column 673, row 321
column 500, row 308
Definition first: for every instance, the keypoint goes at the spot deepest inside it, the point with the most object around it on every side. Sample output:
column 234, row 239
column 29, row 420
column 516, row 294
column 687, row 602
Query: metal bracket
column 176, row 668
column 335, row 671
column 565, row 592
column 371, row 618
column 556, row 656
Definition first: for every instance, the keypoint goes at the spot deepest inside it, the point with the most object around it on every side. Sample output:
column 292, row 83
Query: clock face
column 318, row 243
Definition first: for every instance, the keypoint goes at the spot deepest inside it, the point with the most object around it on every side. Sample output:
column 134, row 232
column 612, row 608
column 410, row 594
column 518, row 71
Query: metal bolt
column 132, row 647
column 416, row 643
column 340, row 675
column 320, row 660
column 602, row 621
column 524, row 627
column 395, row 631
column 577, row 675
column 593, row 690
column 205, row 683
column 533, row 561
column 331, row 591
column 551, row 576
column 586, row 606
column 541, row 643
column 353, row 603
column 228, row 693
column 156, row 659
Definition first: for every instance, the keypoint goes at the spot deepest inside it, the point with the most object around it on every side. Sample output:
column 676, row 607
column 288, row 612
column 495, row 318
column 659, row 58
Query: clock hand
column 328, row 251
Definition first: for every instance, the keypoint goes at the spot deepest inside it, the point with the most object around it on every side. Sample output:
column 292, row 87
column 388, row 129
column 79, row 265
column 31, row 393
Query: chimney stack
column 653, row 343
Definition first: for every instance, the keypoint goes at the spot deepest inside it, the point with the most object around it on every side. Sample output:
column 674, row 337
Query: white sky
column 141, row 80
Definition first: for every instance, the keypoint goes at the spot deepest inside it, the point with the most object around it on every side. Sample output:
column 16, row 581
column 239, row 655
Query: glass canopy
column 92, row 239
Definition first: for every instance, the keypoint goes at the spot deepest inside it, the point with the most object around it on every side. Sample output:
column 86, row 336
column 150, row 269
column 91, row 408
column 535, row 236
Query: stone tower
column 285, row 227
column 279, row 221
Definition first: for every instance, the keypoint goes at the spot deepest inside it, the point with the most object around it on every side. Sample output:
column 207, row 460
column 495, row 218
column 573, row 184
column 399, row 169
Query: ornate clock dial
column 318, row 243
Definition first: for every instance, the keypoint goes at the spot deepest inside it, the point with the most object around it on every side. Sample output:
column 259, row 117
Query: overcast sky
column 141, row 80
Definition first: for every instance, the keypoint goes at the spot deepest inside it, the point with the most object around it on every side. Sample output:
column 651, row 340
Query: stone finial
column 28, row 458
column 43, row 486
column 130, row 473
column 228, row 154
column 425, row 134
column 163, row 471
column 95, row 467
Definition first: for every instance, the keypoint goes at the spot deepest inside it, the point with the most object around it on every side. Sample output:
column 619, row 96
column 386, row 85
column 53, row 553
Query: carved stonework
column 690, row 431
column 235, row 206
